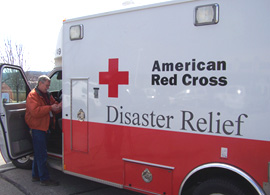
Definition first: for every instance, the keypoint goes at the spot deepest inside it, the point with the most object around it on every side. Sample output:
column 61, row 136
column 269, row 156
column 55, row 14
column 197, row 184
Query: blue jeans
column 39, row 167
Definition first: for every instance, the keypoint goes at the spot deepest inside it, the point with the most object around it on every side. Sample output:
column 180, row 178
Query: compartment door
column 79, row 115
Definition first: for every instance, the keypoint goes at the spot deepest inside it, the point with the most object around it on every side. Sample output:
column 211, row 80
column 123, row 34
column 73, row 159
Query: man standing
column 40, row 106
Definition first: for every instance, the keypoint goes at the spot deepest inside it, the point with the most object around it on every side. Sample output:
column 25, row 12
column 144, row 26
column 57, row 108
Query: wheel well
column 214, row 172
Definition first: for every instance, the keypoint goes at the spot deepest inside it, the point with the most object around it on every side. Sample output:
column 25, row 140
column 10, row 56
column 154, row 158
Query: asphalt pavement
column 14, row 181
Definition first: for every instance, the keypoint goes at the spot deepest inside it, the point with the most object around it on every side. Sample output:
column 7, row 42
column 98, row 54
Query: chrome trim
column 147, row 176
column 63, row 155
column 55, row 155
column 147, row 163
column 95, row 179
column 223, row 166
column 268, row 171
column 81, row 115
column 70, row 112
column 55, row 161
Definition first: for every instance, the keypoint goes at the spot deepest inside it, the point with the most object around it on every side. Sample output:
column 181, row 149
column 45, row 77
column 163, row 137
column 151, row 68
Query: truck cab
column 15, row 137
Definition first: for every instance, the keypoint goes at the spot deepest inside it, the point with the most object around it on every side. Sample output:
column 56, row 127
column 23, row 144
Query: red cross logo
column 113, row 78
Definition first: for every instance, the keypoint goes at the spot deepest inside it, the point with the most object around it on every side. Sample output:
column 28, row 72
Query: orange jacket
column 37, row 114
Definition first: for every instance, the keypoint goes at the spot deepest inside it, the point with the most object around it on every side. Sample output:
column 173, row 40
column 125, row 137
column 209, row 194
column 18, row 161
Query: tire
column 23, row 163
column 218, row 186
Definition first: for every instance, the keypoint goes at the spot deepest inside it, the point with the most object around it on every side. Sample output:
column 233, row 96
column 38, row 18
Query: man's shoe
column 49, row 183
column 35, row 179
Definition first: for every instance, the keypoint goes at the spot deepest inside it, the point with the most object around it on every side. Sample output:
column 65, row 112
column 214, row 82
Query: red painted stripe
column 108, row 144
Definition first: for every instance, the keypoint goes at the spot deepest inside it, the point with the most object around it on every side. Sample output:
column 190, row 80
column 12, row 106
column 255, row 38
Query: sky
column 36, row 24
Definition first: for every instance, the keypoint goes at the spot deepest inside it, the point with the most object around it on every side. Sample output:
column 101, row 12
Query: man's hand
column 56, row 107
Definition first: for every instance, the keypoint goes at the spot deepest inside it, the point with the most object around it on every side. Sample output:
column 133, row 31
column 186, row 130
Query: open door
column 15, row 138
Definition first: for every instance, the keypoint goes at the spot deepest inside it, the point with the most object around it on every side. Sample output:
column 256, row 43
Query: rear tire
column 23, row 163
column 218, row 186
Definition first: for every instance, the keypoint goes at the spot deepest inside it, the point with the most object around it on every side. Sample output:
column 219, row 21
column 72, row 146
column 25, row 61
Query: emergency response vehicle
column 170, row 98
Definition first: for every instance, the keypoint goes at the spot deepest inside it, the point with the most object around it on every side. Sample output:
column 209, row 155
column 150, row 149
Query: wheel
column 23, row 163
column 218, row 186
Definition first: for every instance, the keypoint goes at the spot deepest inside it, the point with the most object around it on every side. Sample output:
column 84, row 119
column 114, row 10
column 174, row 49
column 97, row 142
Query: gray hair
column 43, row 79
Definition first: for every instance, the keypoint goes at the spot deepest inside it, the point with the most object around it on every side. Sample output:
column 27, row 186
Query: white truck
column 170, row 98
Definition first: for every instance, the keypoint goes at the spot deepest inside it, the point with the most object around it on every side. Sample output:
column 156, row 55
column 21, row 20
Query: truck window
column 56, row 81
column 13, row 85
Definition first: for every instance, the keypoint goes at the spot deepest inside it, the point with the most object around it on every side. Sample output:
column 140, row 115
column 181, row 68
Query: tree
column 13, row 54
